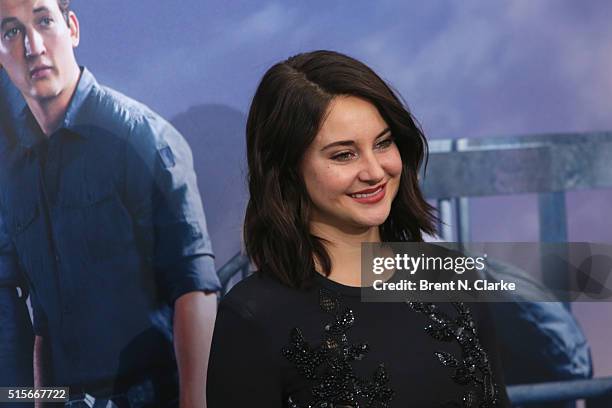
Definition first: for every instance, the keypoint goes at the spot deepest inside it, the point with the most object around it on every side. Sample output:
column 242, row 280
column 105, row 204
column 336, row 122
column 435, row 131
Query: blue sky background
column 466, row 68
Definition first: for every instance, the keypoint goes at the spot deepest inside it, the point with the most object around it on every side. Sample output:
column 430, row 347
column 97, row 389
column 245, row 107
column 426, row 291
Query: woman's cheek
column 393, row 163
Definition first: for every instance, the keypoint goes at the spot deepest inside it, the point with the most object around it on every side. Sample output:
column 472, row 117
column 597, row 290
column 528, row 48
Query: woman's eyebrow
column 339, row 143
column 383, row 133
column 351, row 142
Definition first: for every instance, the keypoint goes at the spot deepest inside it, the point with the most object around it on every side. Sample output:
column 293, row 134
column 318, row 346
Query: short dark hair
column 286, row 113
column 64, row 6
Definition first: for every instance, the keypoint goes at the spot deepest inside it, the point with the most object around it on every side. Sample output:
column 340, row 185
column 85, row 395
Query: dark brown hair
column 286, row 113
column 64, row 6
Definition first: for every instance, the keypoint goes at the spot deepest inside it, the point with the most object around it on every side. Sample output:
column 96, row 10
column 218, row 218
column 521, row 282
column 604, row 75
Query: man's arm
column 16, row 339
column 41, row 353
column 41, row 365
column 194, row 317
column 163, row 196
column 16, row 336
column 38, row 362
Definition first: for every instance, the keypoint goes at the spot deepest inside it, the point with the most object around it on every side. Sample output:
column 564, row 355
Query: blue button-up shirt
column 105, row 221
column 16, row 338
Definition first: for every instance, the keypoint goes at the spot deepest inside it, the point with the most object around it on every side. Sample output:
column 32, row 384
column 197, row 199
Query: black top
column 275, row 346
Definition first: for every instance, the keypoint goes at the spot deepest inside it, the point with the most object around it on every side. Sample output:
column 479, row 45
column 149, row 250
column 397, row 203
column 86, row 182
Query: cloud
column 467, row 68
column 501, row 68
column 271, row 20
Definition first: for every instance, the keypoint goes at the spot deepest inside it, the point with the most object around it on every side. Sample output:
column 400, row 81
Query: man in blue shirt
column 102, row 215
column 16, row 337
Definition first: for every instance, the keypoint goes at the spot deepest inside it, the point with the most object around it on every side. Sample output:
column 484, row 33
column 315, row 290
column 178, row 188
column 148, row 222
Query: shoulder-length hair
column 287, row 111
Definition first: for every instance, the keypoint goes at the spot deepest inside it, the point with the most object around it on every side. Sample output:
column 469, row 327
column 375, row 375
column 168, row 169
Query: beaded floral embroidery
column 473, row 369
column 328, row 365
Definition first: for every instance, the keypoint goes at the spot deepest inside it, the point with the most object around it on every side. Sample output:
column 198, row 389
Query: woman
column 333, row 161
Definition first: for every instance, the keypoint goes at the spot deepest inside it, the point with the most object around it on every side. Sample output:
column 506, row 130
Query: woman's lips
column 370, row 196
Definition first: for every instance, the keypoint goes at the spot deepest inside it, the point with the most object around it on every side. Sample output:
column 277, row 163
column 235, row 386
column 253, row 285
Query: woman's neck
column 344, row 249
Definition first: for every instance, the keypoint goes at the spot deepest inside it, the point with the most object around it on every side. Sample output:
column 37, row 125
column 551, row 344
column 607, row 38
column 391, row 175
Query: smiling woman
column 333, row 160
column 334, row 149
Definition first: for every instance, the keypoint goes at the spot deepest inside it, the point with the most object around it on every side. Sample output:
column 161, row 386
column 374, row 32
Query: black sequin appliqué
column 473, row 368
column 328, row 365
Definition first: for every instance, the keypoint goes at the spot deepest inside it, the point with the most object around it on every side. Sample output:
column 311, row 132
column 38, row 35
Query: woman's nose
column 372, row 170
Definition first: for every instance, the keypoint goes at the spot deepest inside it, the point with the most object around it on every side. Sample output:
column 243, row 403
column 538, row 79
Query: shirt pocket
column 99, row 216
column 23, row 219
column 25, row 235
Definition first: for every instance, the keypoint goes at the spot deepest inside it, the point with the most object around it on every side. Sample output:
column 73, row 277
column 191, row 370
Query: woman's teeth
column 361, row 195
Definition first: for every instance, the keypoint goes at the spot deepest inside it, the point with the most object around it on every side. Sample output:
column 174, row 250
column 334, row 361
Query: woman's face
column 352, row 168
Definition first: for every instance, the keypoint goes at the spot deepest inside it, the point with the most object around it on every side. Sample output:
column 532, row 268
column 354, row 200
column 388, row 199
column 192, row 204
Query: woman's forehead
column 350, row 118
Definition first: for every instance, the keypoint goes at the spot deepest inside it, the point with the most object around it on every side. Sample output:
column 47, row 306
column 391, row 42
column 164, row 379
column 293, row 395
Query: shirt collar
column 84, row 87
column 30, row 131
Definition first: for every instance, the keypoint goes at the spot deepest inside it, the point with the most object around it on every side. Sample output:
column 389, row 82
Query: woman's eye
column 383, row 144
column 344, row 156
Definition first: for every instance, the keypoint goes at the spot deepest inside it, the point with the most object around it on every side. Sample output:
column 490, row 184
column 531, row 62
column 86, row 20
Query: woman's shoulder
column 253, row 287
column 260, row 296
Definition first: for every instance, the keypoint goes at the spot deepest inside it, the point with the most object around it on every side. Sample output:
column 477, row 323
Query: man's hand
column 194, row 320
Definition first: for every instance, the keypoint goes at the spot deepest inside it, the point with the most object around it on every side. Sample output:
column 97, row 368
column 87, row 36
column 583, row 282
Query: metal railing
column 597, row 392
column 548, row 165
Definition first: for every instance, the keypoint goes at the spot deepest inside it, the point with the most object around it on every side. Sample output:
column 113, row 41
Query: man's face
column 37, row 47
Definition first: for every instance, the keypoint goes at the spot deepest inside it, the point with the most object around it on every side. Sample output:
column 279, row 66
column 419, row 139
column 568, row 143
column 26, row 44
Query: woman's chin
column 370, row 222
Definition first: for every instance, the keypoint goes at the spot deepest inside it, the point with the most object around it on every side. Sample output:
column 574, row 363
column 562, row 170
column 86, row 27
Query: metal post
column 553, row 229
column 445, row 223
column 462, row 219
